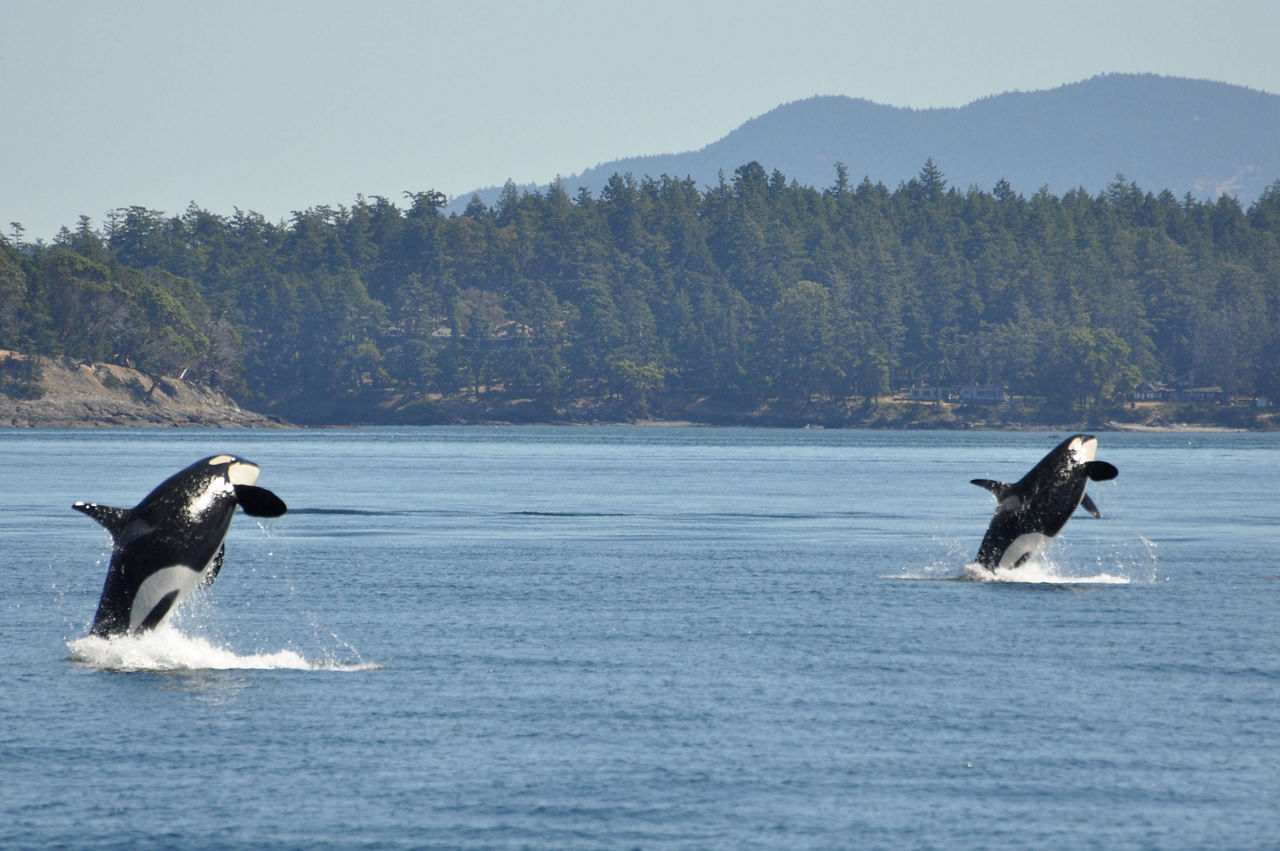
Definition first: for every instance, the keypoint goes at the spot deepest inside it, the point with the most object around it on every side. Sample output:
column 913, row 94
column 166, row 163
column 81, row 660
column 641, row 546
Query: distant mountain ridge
column 1188, row 136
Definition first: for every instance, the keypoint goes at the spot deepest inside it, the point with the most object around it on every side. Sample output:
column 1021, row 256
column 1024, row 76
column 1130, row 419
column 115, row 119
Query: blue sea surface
column 613, row 637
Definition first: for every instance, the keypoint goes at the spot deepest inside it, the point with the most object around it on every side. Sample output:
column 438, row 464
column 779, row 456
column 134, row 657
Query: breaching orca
column 172, row 540
column 1034, row 509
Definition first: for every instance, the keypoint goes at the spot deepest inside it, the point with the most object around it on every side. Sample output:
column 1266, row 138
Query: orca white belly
column 1023, row 548
column 156, row 587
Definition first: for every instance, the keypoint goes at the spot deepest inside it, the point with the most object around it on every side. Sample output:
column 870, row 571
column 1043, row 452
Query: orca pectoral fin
column 112, row 519
column 259, row 502
column 1087, row 505
column 1101, row 471
column 1000, row 489
column 212, row 573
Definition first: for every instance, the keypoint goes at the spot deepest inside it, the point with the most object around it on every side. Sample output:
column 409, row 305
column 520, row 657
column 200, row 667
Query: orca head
column 205, row 489
column 241, row 474
column 1082, row 449
column 238, row 470
column 230, row 476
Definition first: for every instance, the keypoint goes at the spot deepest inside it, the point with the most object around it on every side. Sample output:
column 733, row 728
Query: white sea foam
column 1128, row 562
column 166, row 649
column 1039, row 572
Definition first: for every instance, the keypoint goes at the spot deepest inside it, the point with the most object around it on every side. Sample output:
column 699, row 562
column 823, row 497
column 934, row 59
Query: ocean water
column 649, row 638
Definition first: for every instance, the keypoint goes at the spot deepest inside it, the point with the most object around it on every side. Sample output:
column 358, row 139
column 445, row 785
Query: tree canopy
column 752, row 289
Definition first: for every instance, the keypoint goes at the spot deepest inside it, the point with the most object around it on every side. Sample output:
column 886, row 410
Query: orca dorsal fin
column 112, row 519
column 1101, row 471
column 999, row 489
column 1089, row 506
column 259, row 502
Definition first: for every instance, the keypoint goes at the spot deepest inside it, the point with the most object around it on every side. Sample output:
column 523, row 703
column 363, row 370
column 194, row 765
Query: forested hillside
column 754, row 290
column 1183, row 135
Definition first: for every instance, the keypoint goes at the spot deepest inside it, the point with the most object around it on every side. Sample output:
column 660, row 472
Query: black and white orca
column 173, row 540
column 1035, row 508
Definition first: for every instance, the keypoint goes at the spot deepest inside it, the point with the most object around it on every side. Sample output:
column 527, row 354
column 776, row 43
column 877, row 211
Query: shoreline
column 261, row 423
column 67, row 394
column 1189, row 428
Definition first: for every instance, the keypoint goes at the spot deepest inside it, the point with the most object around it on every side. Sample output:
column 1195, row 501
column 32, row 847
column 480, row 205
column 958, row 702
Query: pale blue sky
column 279, row 106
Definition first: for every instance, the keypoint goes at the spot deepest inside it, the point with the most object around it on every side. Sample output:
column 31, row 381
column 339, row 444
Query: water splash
column 1127, row 562
column 1039, row 571
column 166, row 649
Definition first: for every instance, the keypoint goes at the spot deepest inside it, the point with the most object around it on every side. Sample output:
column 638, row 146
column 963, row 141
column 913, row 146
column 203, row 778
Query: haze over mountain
column 1188, row 136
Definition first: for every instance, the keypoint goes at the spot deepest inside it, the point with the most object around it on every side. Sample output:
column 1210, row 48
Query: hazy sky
column 280, row 105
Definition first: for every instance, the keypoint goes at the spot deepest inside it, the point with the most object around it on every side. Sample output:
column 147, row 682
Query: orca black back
column 173, row 540
column 1033, row 510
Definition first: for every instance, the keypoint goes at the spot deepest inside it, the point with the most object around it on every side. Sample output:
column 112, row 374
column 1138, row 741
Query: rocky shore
column 63, row 393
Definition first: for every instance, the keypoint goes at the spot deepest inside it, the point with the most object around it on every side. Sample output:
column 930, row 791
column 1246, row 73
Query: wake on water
column 166, row 649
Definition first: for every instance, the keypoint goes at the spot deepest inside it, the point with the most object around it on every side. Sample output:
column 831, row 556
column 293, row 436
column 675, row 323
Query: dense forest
column 754, row 291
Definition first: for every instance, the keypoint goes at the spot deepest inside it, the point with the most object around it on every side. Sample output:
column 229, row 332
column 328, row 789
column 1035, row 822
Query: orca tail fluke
column 259, row 502
column 112, row 519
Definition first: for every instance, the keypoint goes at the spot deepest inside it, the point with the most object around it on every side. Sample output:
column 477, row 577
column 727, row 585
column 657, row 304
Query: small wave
column 565, row 514
column 167, row 649
column 348, row 512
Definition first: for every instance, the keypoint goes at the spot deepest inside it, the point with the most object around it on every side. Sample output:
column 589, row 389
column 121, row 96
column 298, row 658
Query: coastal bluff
column 66, row 393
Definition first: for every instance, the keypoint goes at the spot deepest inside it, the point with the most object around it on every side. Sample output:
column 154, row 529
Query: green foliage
column 753, row 289
column 801, row 337
column 13, row 295
column 1081, row 367
column 20, row 376
column 634, row 382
